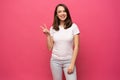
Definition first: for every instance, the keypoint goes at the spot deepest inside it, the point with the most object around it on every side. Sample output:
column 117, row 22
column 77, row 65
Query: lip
column 63, row 16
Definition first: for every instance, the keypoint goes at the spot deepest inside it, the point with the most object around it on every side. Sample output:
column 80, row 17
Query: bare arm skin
column 75, row 52
column 49, row 38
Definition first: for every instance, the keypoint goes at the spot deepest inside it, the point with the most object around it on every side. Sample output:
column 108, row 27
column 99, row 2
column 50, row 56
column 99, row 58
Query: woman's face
column 61, row 13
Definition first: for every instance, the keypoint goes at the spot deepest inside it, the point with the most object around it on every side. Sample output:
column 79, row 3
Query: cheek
column 66, row 14
column 58, row 14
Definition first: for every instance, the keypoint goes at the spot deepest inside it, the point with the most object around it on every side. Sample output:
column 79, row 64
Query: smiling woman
column 61, row 13
column 63, row 35
column 23, row 54
column 62, row 16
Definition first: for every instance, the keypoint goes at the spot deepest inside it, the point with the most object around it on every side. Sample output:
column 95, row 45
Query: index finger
column 45, row 26
column 42, row 27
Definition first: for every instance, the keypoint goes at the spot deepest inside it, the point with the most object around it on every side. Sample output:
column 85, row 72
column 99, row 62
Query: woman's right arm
column 49, row 37
column 50, row 42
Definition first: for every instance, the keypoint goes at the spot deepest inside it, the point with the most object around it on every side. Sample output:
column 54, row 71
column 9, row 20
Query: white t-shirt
column 63, row 42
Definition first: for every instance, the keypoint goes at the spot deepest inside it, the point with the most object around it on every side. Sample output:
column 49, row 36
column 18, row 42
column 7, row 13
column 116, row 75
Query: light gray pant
column 57, row 66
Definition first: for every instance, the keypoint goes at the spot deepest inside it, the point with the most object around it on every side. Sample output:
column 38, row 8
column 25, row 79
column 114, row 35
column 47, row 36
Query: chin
column 63, row 19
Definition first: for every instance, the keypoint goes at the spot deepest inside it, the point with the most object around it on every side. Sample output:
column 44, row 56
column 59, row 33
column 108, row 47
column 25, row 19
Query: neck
column 62, row 23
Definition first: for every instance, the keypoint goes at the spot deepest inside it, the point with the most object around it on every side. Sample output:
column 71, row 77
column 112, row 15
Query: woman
column 63, row 40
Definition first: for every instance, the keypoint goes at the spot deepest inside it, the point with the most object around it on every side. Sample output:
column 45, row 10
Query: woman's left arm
column 75, row 52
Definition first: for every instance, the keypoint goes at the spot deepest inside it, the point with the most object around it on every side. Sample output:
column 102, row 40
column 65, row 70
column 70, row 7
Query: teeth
column 62, row 16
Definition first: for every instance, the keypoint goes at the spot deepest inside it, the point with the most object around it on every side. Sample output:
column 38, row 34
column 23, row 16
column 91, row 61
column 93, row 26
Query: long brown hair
column 56, row 21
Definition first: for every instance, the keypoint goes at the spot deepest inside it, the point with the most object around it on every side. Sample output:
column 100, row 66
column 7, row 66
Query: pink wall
column 23, row 51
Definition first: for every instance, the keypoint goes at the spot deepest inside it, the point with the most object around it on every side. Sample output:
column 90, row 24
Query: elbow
column 49, row 48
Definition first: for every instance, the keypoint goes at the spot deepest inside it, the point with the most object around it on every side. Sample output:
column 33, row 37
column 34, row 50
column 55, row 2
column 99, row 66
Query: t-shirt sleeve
column 75, row 29
column 51, row 31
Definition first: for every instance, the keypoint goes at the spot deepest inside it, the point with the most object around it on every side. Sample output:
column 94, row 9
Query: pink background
column 23, row 50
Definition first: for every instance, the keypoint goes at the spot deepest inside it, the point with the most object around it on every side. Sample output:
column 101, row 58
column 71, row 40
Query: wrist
column 48, row 36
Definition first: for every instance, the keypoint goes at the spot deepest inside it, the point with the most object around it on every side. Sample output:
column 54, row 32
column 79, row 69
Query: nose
column 62, row 12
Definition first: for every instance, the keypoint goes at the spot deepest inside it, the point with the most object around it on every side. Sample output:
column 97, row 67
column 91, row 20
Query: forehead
column 60, row 8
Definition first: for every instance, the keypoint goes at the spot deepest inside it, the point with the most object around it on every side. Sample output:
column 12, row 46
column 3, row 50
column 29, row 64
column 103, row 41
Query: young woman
column 63, row 40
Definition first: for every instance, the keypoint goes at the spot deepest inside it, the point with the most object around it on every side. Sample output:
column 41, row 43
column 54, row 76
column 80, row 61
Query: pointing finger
column 42, row 27
column 45, row 26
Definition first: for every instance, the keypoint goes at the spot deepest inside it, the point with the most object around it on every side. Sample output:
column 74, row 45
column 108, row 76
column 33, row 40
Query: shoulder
column 74, row 25
column 75, row 29
column 51, row 29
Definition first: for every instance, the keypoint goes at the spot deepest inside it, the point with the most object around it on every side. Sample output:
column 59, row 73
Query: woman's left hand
column 70, row 69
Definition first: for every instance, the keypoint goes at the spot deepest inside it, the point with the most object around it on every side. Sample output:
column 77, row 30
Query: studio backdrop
column 23, row 50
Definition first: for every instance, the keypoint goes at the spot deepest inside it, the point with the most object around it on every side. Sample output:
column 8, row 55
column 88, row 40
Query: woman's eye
column 64, row 11
column 59, row 11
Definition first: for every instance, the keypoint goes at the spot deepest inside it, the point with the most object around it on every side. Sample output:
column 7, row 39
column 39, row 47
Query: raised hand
column 45, row 30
